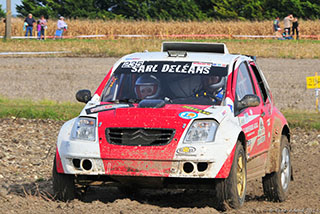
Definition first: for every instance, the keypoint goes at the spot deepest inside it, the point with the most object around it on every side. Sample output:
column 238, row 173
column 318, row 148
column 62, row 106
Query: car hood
column 169, row 116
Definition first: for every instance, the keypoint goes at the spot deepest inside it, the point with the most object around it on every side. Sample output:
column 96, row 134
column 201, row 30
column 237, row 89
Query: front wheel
column 63, row 185
column 232, row 190
column 276, row 184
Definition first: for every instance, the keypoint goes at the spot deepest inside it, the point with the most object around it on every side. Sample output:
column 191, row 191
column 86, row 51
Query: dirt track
column 27, row 146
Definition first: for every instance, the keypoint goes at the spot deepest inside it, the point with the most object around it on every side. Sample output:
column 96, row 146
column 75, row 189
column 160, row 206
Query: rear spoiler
column 201, row 47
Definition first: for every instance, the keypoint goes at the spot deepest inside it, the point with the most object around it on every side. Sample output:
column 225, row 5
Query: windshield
column 198, row 83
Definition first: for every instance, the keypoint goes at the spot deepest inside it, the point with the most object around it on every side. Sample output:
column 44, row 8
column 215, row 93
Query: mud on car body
column 190, row 116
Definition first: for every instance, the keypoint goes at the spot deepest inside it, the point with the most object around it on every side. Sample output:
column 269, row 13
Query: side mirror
column 83, row 95
column 250, row 100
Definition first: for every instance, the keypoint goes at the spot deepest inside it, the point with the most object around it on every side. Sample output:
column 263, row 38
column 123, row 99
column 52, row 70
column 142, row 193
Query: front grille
column 139, row 136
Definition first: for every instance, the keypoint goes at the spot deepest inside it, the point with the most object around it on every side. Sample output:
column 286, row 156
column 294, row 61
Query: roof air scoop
column 201, row 47
column 173, row 53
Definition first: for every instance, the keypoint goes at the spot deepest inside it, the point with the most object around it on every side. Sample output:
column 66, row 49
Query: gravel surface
column 27, row 146
column 27, row 149
column 60, row 78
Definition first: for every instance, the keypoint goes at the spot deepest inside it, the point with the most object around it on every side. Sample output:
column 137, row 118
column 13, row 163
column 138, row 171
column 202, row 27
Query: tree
column 2, row 13
column 158, row 9
column 66, row 8
column 171, row 9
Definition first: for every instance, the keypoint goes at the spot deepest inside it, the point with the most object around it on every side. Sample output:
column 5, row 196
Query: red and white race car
column 192, row 115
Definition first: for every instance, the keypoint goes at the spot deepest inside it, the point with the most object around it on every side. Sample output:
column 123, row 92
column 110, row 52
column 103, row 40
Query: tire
column 232, row 190
column 276, row 184
column 63, row 185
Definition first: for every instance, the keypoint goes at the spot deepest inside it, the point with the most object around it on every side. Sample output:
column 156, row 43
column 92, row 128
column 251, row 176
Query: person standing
column 62, row 26
column 38, row 29
column 295, row 28
column 43, row 24
column 287, row 23
column 30, row 21
column 276, row 24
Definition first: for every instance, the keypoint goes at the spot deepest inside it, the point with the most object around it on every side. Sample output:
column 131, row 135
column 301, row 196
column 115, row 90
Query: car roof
column 187, row 51
column 190, row 56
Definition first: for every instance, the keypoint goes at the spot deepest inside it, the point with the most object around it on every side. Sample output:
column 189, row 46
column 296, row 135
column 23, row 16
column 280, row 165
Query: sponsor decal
column 132, row 64
column 261, row 132
column 219, row 65
column 268, row 122
column 113, row 81
column 261, row 139
column 247, row 118
column 231, row 107
column 132, row 58
column 224, row 112
column 250, row 144
column 170, row 68
column 250, row 128
column 106, row 107
column 188, row 115
column 186, row 150
column 197, row 110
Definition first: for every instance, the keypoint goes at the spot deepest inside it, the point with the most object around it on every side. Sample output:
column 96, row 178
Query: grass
column 45, row 109
column 64, row 111
column 303, row 119
column 300, row 49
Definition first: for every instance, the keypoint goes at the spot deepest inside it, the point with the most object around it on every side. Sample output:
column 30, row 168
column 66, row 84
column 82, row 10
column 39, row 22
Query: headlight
column 201, row 131
column 84, row 129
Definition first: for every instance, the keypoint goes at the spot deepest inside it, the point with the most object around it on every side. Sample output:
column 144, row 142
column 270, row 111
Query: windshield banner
column 202, row 68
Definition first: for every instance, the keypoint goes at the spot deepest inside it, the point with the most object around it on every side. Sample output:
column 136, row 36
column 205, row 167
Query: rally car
column 190, row 116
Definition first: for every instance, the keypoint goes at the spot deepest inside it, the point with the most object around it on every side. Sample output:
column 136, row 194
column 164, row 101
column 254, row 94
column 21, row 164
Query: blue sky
column 13, row 5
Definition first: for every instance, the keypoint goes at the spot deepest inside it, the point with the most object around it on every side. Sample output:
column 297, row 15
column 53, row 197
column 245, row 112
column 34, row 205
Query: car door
column 250, row 119
column 264, row 136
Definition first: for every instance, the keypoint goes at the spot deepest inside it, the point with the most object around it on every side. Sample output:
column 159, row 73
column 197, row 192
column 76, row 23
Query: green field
column 301, row 49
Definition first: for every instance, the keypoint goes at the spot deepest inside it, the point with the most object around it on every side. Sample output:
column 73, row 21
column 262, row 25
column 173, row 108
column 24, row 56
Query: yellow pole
column 317, row 90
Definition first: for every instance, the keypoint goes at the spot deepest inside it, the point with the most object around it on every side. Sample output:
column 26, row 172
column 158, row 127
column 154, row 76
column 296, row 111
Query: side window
column 244, row 84
column 262, row 87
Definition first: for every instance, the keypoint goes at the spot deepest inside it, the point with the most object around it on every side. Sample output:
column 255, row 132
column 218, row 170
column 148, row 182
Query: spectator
column 39, row 29
column 43, row 27
column 279, row 35
column 30, row 21
column 287, row 23
column 276, row 25
column 62, row 26
column 286, row 35
column 295, row 28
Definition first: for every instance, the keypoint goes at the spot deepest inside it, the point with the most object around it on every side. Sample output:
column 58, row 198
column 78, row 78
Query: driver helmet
column 147, row 86
column 214, row 83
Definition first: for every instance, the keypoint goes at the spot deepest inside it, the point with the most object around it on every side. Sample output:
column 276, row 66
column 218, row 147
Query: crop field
column 164, row 29
column 113, row 45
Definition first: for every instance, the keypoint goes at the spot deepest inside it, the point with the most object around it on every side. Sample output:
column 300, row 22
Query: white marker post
column 314, row 82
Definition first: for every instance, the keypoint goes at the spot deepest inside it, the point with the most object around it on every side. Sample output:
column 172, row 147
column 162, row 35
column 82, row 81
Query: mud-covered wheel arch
column 232, row 190
column 276, row 184
column 63, row 185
